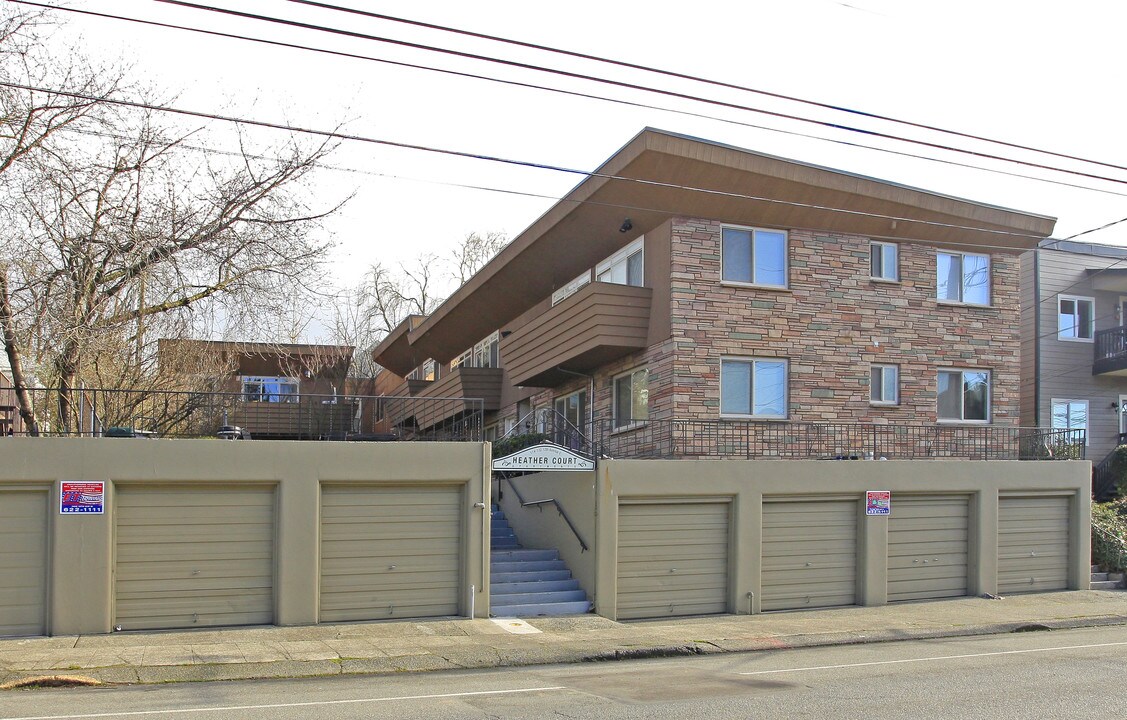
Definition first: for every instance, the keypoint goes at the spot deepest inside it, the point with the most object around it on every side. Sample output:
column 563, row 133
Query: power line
column 685, row 76
column 617, row 83
column 337, row 135
column 619, row 101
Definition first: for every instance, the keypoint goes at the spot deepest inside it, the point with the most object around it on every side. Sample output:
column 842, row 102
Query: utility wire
column 685, row 76
column 621, row 84
column 589, row 96
column 337, row 135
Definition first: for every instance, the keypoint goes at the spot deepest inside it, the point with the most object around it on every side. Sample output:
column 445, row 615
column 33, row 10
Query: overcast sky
column 1041, row 74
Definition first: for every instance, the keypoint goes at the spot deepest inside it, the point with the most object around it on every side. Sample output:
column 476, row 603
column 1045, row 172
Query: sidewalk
column 405, row 646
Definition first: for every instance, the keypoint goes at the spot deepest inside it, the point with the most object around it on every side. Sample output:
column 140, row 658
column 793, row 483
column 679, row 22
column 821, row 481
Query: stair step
column 527, row 566
column 499, row 522
column 511, row 588
column 504, row 545
column 525, row 554
column 1118, row 577
column 539, row 598
column 1095, row 568
column 538, row 576
column 1106, row 585
column 542, row 609
column 1100, row 577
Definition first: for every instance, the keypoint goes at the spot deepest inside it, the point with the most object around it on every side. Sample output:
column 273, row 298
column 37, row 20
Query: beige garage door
column 672, row 559
column 1032, row 544
column 23, row 563
column 927, row 547
column 390, row 552
column 194, row 556
column 809, row 554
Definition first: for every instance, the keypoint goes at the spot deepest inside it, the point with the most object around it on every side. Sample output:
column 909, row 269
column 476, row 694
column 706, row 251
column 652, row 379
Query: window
column 883, row 261
column 571, row 288
column 631, row 398
column 1076, row 318
column 755, row 257
column 625, row 267
column 963, row 277
column 485, row 354
column 753, row 388
column 570, row 419
column 1070, row 415
column 270, row 389
column 963, row 395
column 423, row 372
column 884, row 382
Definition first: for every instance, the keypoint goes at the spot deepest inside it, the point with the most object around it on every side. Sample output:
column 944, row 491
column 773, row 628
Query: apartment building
column 1074, row 335
column 686, row 280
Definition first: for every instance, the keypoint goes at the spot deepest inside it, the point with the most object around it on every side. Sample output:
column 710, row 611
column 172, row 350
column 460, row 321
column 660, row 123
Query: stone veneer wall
column 832, row 322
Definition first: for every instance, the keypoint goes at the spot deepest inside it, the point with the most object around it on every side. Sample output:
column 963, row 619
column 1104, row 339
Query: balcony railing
column 101, row 412
column 1110, row 352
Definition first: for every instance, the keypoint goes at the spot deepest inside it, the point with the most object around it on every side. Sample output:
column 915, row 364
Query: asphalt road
column 1059, row 674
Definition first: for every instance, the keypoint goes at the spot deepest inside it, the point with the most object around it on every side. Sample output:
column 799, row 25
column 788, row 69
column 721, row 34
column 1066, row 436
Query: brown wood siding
column 599, row 323
column 470, row 383
column 1066, row 366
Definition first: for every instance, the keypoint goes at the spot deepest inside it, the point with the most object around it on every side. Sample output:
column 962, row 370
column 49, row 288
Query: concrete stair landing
column 525, row 582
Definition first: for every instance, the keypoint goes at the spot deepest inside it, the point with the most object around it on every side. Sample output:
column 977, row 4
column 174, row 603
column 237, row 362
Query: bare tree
column 474, row 251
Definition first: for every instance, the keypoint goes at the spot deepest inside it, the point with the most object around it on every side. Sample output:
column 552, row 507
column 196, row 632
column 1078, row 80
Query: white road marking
column 275, row 706
column 928, row 659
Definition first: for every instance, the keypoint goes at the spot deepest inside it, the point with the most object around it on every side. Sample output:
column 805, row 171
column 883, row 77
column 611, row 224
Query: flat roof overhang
column 658, row 176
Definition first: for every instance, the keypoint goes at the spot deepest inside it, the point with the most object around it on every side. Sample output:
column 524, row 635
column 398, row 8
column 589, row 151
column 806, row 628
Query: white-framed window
column 884, row 384
column 1076, row 318
column 631, row 398
column 257, row 388
column 484, row 354
column 753, row 256
column 571, row 288
column 963, row 278
column 753, row 387
column 571, row 418
column 423, row 372
column 963, row 396
column 1070, row 415
column 625, row 267
column 884, row 261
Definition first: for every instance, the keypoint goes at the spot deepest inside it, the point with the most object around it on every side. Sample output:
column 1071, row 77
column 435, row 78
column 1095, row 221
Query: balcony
column 598, row 324
column 467, row 389
column 1110, row 352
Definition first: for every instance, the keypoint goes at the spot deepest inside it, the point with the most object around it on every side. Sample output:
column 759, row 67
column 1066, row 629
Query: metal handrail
column 1103, row 481
column 541, row 503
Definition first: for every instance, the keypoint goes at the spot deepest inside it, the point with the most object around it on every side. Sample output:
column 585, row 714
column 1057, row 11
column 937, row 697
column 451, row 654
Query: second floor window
column 625, row 267
column 882, row 261
column 963, row 278
column 754, row 257
column 485, row 354
column 964, row 396
column 1076, row 318
column 753, row 388
column 884, row 381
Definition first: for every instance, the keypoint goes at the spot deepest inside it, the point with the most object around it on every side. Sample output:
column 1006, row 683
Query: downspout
column 1037, row 338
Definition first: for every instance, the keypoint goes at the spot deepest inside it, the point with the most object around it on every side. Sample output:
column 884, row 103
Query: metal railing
column 841, row 441
column 187, row 414
column 1105, row 478
column 1109, row 349
column 539, row 505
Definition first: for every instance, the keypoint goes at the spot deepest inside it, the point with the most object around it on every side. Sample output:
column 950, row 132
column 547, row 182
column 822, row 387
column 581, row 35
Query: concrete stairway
column 1106, row 581
column 529, row 583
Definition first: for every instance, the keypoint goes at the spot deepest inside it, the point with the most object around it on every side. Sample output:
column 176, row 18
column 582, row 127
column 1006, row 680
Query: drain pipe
column 750, row 602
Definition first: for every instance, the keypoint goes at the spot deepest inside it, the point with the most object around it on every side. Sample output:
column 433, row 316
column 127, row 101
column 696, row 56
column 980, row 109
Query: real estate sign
column 82, row 498
column 878, row 502
column 545, row 456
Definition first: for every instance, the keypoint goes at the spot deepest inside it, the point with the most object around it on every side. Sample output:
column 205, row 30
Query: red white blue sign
column 82, row 498
column 878, row 502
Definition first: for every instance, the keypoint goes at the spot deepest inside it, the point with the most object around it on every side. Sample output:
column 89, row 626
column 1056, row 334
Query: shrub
column 509, row 445
column 1109, row 535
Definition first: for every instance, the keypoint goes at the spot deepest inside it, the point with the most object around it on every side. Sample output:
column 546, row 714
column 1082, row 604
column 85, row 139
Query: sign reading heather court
column 878, row 502
column 545, row 456
column 82, row 498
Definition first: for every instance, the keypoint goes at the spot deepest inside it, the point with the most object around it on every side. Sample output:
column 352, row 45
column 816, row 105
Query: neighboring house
column 686, row 280
column 273, row 390
column 1074, row 340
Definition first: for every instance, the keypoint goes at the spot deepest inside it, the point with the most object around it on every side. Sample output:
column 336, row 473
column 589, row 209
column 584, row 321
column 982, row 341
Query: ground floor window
column 1070, row 415
column 631, row 398
column 963, row 395
column 752, row 387
column 270, row 389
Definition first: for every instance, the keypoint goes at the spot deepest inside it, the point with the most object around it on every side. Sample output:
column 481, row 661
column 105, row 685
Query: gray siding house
column 1074, row 340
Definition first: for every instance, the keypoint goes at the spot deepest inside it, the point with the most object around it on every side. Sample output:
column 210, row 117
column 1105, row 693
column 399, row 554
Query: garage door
column 194, row 556
column 672, row 559
column 390, row 552
column 1032, row 544
column 23, row 563
column 927, row 547
column 809, row 554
